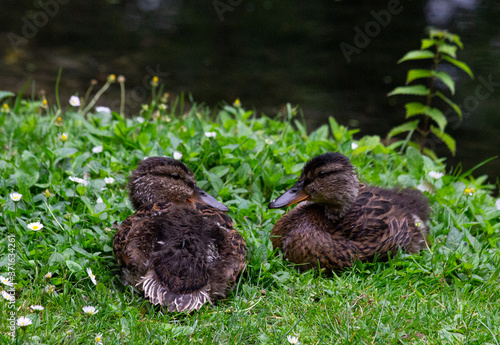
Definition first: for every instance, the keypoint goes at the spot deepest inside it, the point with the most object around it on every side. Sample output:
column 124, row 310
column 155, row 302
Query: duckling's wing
column 232, row 251
column 135, row 226
column 378, row 224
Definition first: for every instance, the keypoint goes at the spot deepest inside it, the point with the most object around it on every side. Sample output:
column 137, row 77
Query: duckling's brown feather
column 377, row 222
column 180, row 252
column 170, row 251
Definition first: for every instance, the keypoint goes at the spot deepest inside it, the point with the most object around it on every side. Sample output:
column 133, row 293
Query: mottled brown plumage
column 342, row 220
column 179, row 247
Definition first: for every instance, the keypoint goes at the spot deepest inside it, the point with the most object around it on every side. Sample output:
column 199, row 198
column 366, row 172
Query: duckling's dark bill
column 292, row 196
column 203, row 197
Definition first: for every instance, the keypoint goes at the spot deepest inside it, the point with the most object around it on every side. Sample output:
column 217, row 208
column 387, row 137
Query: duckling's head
column 163, row 179
column 328, row 179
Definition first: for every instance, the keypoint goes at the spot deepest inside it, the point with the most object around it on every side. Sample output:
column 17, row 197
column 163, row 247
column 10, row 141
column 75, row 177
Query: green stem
column 96, row 98
column 426, row 130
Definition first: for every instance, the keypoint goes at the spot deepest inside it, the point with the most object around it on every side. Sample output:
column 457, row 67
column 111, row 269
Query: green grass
column 447, row 295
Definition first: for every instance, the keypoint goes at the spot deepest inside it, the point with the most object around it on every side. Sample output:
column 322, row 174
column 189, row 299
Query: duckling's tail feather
column 158, row 294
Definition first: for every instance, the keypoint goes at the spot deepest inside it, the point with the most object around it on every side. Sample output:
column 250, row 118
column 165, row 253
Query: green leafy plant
column 441, row 46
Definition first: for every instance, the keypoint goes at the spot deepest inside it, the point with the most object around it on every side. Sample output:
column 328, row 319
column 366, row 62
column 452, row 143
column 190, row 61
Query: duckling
column 341, row 220
column 179, row 247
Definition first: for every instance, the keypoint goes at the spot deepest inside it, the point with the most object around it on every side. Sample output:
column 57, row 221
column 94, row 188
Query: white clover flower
column 74, row 101
column 37, row 307
column 354, row 145
column 293, row 339
column 23, row 321
column 16, row 196
column 109, row 180
column 92, row 276
column 7, row 296
column 103, row 110
column 269, row 141
column 6, row 281
column 89, row 310
column 97, row 149
column 98, row 338
column 177, row 155
column 64, row 136
column 36, row 226
column 210, row 134
column 436, row 175
column 99, row 201
column 497, row 204
column 48, row 275
column 425, row 187
column 140, row 119
column 79, row 180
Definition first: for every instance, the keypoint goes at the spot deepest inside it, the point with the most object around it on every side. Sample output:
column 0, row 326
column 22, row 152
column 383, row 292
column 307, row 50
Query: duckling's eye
column 321, row 174
column 176, row 176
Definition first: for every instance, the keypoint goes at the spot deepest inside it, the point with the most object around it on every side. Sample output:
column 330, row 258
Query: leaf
column 417, row 74
column 416, row 108
column 418, row 90
column 405, row 127
column 462, row 65
column 446, row 138
column 448, row 49
column 450, row 103
column 417, row 55
column 438, row 117
column 415, row 161
column 446, row 79
column 28, row 172
column 64, row 151
column 5, row 94
column 55, row 258
column 73, row 266
column 427, row 43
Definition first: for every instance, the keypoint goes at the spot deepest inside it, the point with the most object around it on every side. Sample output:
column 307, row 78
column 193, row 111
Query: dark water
column 266, row 53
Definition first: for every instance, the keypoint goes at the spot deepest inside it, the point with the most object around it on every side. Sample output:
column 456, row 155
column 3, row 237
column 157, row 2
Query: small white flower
column 210, row 134
column 293, row 339
column 36, row 226
column 436, row 175
column 92, row 276
column 50, row 289
column 89, row 310
column 97, row 149
column 64, row 136
column 425, row 187
column 177, row 155
column 140, row 119
column 269, row 141
column 103, row 110
column 109, row 180
column 23, row 321
column 6, row 281
column 354, row 146
column 79, row 180
column 7, row 296
column 15, row 196
column 99, row 201
column 48, row 275
column 37, row 307
column 497, row 204
column 98, row 339
column 74, row 101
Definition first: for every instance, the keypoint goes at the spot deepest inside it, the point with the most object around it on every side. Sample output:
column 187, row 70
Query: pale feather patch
column 157, row 294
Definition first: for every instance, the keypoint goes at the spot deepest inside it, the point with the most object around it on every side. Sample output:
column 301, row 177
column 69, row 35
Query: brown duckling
column 179, row 247
column 342, row 220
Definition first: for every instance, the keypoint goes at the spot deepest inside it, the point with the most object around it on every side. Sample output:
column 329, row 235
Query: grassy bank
column 448, row 294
